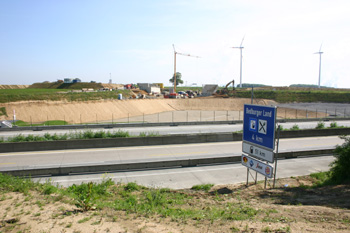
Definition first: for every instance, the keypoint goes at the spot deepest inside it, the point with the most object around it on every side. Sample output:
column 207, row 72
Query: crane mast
column 183, row 54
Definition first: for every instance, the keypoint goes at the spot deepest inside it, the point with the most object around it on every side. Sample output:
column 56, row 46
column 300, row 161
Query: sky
column 132, row 41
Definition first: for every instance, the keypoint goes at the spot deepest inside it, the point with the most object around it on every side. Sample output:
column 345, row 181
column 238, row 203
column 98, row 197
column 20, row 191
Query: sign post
column 259, row 123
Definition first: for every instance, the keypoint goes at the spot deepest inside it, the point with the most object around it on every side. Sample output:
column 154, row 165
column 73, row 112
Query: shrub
column 320, row 125
column 295, row 127
column 121, row 134
column 340, row 171
column 334, row 125
column 88, row 134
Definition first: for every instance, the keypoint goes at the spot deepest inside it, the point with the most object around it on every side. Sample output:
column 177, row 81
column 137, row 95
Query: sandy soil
column 13, row 86
column 105, row 110
column 284, row 209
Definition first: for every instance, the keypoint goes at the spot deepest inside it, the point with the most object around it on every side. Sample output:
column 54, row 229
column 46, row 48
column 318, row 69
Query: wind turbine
column 183, row 54
column 240, row 73
column 319, row 68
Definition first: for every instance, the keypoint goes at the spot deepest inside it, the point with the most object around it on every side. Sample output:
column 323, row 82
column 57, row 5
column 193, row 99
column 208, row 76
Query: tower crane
column 183, row 54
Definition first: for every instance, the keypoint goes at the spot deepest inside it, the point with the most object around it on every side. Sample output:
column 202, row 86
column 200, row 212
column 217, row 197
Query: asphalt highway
column 181, row 178
column 81, row 157
column 167, row 130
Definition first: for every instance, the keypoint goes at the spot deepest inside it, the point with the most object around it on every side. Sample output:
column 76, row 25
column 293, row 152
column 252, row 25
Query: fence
column 180, row 116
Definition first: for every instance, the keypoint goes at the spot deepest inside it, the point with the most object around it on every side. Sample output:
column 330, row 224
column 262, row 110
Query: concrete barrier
column 151, row 141
column 143, row 165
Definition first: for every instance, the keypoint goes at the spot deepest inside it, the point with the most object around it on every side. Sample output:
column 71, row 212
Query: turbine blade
column 242, row 41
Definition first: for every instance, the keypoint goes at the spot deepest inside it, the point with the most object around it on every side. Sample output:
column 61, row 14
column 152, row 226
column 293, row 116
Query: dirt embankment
column 13, row 86
column 106, row 110
column 284, row 209
column 92, row 111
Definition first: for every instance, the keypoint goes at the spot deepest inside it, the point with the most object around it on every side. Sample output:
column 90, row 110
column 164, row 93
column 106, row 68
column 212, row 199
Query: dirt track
column 105, row 110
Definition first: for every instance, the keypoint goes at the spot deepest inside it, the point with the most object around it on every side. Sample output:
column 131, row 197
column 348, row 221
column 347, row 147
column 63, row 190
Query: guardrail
column 151, row 141
column 143, row 165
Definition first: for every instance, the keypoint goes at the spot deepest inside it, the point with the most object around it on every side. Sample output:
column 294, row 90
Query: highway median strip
column 148, row 164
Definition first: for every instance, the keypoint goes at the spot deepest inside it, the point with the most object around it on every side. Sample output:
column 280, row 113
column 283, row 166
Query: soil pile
column 104, row 110
column 13, row 86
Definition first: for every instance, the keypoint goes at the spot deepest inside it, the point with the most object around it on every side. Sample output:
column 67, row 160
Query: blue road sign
column 259, row 125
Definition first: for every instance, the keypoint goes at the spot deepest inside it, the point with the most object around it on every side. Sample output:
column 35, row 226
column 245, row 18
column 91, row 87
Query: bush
column 340, row 172
column 334, row 125
column 295, row 127
column 320, row 125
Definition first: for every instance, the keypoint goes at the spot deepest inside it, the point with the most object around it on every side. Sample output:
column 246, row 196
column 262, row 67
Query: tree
column 178, row 79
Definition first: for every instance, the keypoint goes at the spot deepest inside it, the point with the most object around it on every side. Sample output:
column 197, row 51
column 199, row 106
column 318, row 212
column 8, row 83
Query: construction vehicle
column 225, row 92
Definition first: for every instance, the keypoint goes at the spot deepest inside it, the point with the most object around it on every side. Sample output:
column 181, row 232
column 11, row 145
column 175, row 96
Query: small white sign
column 262, row 126
column 258, row 152
column 257, row 166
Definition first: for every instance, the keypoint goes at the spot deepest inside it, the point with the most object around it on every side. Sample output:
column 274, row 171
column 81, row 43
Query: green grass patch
column 46, row 123
column 3, row 111
column 203, row 187
column 295, row 127
column 320, row 125
column 133, row 198
column 77, row 135
column 14, row 95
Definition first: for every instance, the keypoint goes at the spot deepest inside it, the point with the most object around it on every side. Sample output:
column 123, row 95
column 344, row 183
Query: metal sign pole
column 247, row 176
column 252, row 100
column 276, row 155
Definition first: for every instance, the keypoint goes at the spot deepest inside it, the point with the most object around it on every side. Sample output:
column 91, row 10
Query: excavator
column 225, row 92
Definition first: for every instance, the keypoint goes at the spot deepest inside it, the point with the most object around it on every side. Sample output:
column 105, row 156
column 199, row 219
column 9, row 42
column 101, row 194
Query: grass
column 282, row 96
column 78, row 135
column 287, row 96
column 48, row 123
column 204, row 187
column 14, row 95
column 132, row 198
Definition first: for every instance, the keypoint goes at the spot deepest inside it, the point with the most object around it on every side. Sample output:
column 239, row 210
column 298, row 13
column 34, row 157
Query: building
column 149, row 88
column 68, row 80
